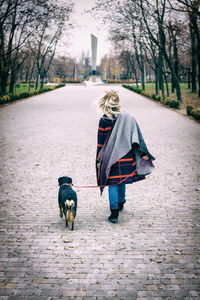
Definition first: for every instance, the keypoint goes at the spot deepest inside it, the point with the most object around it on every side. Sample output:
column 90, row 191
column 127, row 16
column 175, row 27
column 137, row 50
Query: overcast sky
column 80, row 36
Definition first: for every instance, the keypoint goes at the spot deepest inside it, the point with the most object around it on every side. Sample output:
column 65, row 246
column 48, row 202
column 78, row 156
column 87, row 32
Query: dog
column 67, row 200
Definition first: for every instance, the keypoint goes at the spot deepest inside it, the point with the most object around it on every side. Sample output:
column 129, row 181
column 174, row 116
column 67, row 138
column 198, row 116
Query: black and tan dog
column 67, row 200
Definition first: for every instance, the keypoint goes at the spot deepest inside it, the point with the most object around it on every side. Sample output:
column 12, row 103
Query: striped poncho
column 124, row 166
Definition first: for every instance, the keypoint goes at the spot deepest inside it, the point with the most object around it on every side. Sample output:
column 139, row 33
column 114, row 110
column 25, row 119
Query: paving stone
column 152, row 253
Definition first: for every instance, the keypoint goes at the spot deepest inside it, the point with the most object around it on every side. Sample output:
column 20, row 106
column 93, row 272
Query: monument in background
column 94, row 56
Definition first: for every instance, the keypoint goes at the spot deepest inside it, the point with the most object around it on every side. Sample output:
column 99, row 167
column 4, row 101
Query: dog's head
column 64, row 179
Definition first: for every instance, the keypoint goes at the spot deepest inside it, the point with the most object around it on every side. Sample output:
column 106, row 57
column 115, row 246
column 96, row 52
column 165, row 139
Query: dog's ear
column 60, row 180
column 70, row 180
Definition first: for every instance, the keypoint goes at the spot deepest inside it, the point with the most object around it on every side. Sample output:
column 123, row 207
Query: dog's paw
column 66, row 223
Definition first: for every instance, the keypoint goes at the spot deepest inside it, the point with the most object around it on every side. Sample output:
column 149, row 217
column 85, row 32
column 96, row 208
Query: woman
column 121, row 150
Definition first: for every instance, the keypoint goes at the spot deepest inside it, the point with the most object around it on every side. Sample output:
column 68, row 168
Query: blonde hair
column 109, row 104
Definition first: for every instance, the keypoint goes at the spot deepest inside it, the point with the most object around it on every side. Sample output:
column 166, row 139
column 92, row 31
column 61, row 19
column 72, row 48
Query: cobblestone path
column 152, row 253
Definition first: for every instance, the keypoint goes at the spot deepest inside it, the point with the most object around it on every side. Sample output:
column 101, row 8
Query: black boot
column 114, row 216
column 121, row 206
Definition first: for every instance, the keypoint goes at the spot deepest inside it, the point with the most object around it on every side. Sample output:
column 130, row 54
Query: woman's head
column 110, row 103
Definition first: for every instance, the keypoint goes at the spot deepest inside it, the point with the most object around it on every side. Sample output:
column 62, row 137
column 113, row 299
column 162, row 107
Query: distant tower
column 94, row 54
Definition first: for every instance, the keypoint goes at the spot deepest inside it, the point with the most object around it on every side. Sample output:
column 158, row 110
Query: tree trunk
column 4, row 80
column 143, row 78
column 27, row 75
column 42, row 81
column 166, row 83
column 142, row 68
column 162, row 85
column 199, row 71
column 160, row 72
column 12, row 82
column 136, row 78
column 188, row 77
column 197, row 33
column 170, row 57
column 156, row 81
column 37, row 81
column 134, row 70
column 176, row 60
column 174, row 77
column 194, row 54
column 149, row 74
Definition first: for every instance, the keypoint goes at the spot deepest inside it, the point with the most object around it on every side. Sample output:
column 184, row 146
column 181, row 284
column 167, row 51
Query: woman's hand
column 98, row 165
column 146, row 157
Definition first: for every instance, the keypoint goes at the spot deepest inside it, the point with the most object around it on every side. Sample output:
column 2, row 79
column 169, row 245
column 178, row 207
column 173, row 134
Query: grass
column 188, row 98
column 24, row 87
column 22, row 92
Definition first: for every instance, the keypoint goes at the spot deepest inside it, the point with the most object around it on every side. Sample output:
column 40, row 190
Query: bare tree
column 21, row 23
column 153, row 27
column 191, row 8
column 17, row 24
column 49, row 34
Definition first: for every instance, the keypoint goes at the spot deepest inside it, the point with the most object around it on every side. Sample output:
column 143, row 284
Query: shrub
column 70, row 80
column 14, row 97
column 153, row 96
column 5, row 99
column 126, row 86
column 137, row 90
column 46, row 89
column 188, row 109
column 174, row 104
column 132, row 88
column 156, row 97
column 24, row 95
column 10, row 98
column 59, row 85
column 114, row 80
column 171, row 103
column 195, row 113
column 110, row 80
column 146, row 94
column 167, row 101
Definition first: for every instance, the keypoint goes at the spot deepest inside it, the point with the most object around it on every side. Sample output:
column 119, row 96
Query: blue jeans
column 116, row 195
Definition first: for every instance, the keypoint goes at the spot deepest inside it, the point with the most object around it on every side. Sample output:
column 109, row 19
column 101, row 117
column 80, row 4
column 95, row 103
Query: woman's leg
column 121, row 193
column 113, row 197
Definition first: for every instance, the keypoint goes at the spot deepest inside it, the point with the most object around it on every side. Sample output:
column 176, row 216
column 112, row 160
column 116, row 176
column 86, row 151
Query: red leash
column 99, row 186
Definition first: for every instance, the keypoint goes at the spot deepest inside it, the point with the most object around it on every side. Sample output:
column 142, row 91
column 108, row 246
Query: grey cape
column 125, row 135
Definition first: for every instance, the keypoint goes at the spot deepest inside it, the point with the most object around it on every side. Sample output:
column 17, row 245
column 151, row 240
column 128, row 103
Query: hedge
column 156, row 97
column 68, row 80
column 194, row 112
column 132, row 88
column 167, row 101
column 11, row 98
column 171, row 103
column 110, row 80
column 188, row 109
